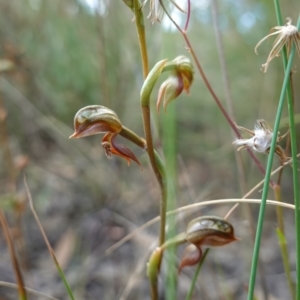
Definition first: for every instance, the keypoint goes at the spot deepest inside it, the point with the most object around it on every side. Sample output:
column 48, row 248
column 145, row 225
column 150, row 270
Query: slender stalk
column 278, row 197
column 293, row 138
column 188, row 16
column 133, row 137
column 170, row 146
column 29, row 290
column 164, row 197
column 296, row 191
column 192, row 287
column 153, row 267
column 140, row 27
column 267, row 178
column 52, row 254
column 7, row 155
column 154, row 158
column 14, row 260
column 130, row 135
column 283, row 243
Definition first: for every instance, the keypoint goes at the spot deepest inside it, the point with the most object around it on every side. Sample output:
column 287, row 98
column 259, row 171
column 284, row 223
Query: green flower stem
column 277, row 191
column 286, row 263
column 153, row 267
column 293, row 137
column 130, row 135
column 170, row 147
column 267, row 178
column 192, row 287
column 133, row 137
column 140, row 27
column 278, row 197
column 154, row 158
column 283, row 243
column 149, row 142
column 164, row 197
column 175, row 241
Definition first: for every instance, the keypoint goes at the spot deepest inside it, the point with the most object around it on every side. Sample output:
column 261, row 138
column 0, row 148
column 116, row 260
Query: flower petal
column 191, row 256
column 111, row 147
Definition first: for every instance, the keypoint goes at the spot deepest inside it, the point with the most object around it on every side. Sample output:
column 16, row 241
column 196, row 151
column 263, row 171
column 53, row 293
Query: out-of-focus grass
column 67, row 58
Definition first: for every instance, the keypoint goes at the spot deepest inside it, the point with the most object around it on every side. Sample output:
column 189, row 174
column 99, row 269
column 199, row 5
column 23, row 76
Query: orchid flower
column 97, row 119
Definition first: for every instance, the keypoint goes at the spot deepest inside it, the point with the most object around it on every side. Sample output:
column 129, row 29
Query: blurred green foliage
column 69, row 54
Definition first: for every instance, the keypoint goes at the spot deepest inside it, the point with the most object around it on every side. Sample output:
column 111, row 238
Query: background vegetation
column 69, row 54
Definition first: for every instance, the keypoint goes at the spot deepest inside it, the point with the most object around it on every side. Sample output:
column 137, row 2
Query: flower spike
column 287, row 35
column 97, row 119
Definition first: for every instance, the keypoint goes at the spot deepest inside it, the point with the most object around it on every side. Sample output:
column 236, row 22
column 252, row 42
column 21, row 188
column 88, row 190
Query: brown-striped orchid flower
column 208, row 231
column 98, row 119
column 205, row 231
column 261, row 139
column 180, row 79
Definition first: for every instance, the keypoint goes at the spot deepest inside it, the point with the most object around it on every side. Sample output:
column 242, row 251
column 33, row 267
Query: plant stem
column 12, row 252
column 170, row 146
column 293, row 138
column 267, row 178
column 140, row 28
column 133, row 137
column 154, row 157
column 51, row 251
column 164, row 197
column 192, row 287
column 283, row 242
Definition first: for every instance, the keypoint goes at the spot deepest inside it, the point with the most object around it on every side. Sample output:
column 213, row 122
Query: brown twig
column 15, row 263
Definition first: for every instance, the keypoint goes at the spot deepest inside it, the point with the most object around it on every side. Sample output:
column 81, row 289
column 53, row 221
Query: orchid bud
column 180, row 79
column 210, row 231
column 95, row 119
